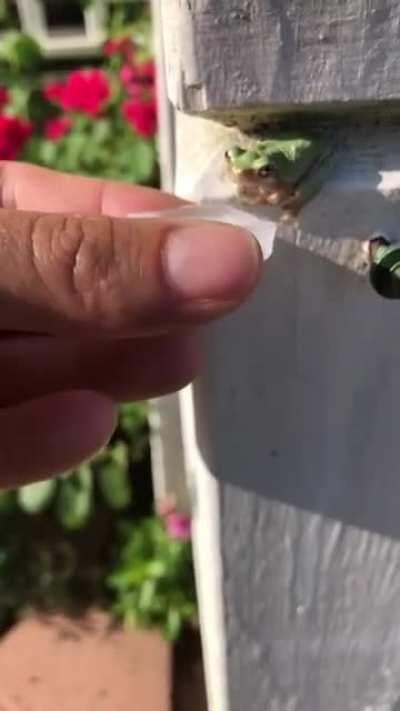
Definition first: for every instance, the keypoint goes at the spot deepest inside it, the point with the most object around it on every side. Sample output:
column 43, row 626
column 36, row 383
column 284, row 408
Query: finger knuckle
column 86, row 268
column 94, row 270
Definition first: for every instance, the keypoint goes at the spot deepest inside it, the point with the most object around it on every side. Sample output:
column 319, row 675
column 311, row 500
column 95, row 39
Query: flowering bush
column 153, row 582
column 98, row 121
column 142, row 116
column 86, row 91
column 56, row 128
column 95, row 121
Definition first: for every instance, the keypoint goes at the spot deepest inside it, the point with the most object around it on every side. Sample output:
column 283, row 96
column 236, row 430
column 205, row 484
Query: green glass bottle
column 385, row 267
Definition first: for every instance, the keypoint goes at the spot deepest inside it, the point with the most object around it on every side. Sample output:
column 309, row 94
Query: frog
column 287, row 171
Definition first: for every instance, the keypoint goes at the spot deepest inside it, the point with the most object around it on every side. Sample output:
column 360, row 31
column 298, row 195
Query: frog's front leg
column 310, row 184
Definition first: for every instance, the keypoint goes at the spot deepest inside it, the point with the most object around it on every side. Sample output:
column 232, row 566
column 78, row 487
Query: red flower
column 57, row 128
column 14, row 132
column 123, row 46
column 146, row 72
column 133, row 88
column 85, row 90
column 141, row 75
column 4, row 96
column 54, row 91
column 142, row 116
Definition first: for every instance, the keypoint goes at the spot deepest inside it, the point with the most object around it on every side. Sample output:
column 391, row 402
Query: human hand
column 97, row 309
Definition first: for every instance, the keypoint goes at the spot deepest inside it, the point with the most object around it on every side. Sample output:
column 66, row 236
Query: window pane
column 63, row 15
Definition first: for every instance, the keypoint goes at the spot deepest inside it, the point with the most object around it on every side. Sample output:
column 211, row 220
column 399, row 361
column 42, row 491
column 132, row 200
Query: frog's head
column 256, row 174
column 254, row 159
column 268, row 171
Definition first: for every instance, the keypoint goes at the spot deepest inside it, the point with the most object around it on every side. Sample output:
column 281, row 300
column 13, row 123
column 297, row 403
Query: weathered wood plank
column 240, row 54
column 296, row 445
column 296, row 418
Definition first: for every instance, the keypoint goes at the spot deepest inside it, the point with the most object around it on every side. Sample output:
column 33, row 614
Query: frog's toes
column 289, row 215
column 248, row 195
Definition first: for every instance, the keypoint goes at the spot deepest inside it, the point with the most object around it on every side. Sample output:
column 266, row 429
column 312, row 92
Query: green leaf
column 130, row 618
column 74, row 500
column 19, row 51
column 102, row 130
column 128, row 578
column 147, row 595
column 119, row 453
column 153, row 580
column 157, row 568
column 3, row 11
column 8, row 501
column 173, row 625
column 143, row 160
column 19, row 98
column 132, row 418
column 48, row 152
column 114, row 485
column 35, row 498
column 75, row 146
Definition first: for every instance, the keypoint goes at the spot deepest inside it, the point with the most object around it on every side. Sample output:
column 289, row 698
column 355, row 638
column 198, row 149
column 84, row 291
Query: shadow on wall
column 300, row 398
column 350, row 205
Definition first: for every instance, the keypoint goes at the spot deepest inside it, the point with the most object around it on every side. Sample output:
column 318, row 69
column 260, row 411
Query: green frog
column 287, row 171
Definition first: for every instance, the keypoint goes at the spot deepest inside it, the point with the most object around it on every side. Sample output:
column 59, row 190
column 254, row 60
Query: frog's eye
column 235, row 152
column 264, row 171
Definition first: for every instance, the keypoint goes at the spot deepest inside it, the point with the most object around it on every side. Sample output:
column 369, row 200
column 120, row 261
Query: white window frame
column 33, row 21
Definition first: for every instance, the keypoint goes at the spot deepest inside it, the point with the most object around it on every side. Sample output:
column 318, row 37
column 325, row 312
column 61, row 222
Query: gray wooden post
column 292, row 432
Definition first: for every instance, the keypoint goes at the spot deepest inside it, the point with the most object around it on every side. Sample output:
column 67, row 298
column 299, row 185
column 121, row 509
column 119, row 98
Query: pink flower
column 85, row 90
column 178, row 526
column 4, row 96
column 142, row 116
column 57, row 128
column 14, row 132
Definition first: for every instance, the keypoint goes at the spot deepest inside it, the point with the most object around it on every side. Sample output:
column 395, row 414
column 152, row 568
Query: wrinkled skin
column 96, row 309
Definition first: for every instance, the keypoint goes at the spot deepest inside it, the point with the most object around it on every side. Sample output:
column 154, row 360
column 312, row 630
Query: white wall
column 296, row 449
column 291, row 433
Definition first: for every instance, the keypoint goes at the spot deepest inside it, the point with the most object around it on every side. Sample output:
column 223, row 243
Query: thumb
column 102, row 275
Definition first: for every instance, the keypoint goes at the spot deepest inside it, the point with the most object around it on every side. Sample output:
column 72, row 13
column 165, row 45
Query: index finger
column 28, row 187
column 103, row 276
column 83, row 272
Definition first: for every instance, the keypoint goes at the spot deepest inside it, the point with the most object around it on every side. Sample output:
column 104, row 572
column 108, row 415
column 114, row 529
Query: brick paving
column 60, row 665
